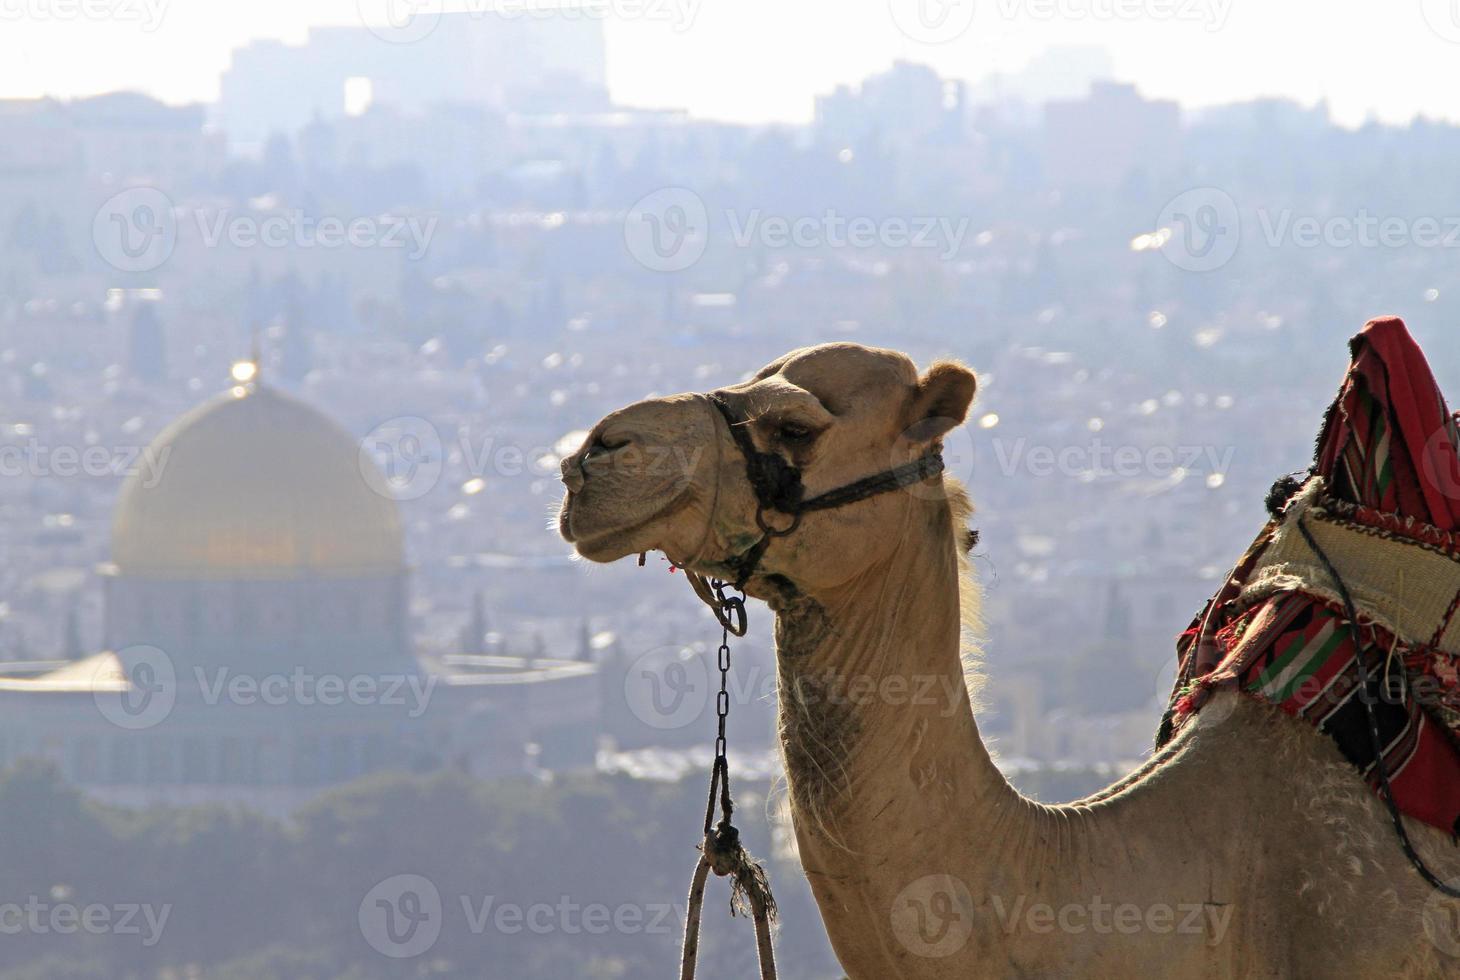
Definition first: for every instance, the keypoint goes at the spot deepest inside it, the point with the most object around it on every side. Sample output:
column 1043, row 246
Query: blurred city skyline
column 757, row 62
column 289, row 649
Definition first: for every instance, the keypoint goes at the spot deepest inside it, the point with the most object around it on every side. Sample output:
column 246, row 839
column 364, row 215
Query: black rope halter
column 777, row 485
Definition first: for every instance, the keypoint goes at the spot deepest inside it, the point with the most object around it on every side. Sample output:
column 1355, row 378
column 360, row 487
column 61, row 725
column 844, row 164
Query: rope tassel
column 749, row 888
column 750, row 894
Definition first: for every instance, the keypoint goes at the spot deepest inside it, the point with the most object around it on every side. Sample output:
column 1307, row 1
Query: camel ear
column 941, row 401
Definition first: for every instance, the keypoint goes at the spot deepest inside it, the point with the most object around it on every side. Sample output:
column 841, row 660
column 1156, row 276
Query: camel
column 1248, row 847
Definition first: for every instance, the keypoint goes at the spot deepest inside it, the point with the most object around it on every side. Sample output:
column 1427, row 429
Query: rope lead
column 1376, row 744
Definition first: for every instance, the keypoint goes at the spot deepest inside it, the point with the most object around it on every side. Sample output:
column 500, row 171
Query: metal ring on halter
column 772, row 532
column 730, row 611
column 776, row 483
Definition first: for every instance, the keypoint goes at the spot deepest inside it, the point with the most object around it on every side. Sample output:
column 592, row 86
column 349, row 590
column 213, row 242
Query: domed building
column 256, row 640
column 261, row 542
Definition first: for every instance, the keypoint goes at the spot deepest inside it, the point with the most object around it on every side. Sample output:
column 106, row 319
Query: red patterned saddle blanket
column 1379, row 513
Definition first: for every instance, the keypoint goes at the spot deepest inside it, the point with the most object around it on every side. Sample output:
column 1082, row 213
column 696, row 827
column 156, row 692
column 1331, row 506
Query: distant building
column 1104, row 139
column 257, row 644
column 449, row 147
column 1268, row 117
column 128, row 136
column 147, row 345
column 1061, row 72
column 907, row 102
column 54, row 153
column 520, row 63
column 37, row 139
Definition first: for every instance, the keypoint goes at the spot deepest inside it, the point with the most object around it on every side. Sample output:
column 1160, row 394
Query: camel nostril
column 595, row 455
column 603, row 446
column 570, row 470
column 605, row 443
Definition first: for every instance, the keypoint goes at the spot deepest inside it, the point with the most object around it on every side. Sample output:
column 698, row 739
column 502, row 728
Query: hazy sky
column 756, row 60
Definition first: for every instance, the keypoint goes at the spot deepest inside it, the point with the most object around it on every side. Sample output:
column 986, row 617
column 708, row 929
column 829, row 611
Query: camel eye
column 794, row 434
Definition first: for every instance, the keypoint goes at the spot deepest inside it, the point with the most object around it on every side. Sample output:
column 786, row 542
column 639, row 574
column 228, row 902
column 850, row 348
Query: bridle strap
column 896, row 478
column 777, row 486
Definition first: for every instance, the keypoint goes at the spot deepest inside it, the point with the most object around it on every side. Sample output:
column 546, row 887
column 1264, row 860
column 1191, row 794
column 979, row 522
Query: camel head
column 668, row 474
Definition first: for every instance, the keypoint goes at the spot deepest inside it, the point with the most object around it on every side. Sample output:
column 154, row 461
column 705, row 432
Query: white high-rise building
column 551, row 61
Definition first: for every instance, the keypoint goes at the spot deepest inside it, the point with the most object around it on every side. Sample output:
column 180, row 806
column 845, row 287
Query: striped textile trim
column 1308, row 671
column 1408, row 587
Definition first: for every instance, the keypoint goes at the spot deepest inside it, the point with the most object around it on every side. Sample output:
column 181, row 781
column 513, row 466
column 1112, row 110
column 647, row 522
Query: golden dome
column 254, row 484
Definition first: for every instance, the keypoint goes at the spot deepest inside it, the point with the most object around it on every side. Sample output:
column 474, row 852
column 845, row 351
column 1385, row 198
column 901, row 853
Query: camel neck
column 883, row 756
column 880, row 740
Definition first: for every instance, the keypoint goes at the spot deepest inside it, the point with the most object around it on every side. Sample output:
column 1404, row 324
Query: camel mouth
column 596, row 546
column 570, row 524
column 601, row 549
column 602, row 539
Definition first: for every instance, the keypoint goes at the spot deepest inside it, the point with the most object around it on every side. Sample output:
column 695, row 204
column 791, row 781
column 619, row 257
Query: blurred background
column 301, row 303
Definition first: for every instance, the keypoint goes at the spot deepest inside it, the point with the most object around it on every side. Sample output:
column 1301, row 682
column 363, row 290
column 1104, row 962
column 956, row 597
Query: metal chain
column 722, row 700
column 730, row 608
column 721, row 851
